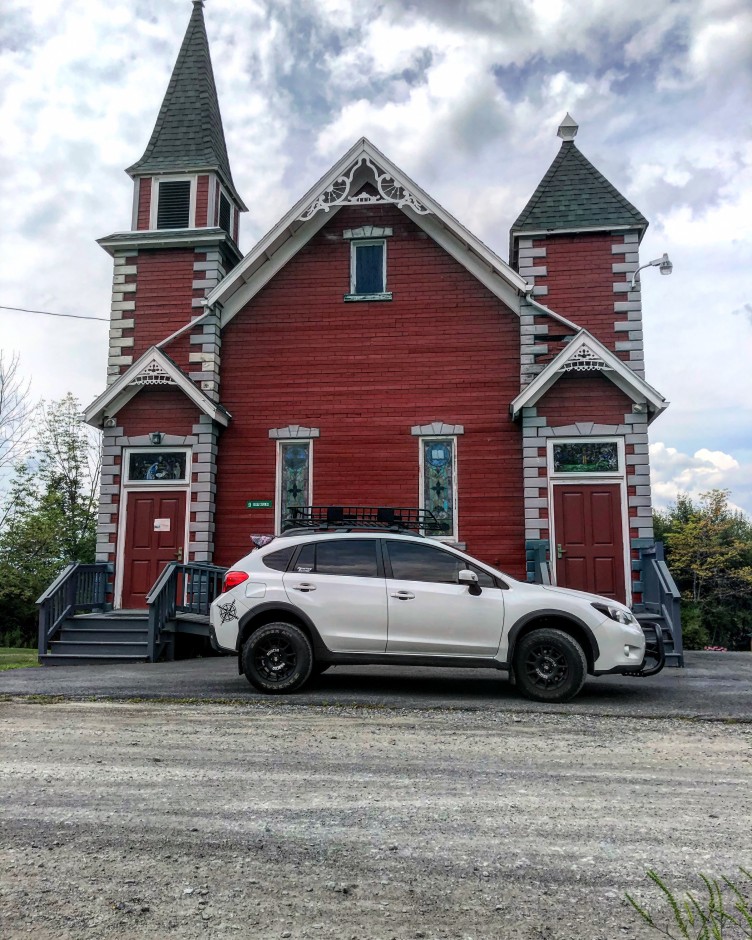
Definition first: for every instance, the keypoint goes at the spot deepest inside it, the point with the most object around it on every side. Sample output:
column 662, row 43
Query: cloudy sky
column 465, row 96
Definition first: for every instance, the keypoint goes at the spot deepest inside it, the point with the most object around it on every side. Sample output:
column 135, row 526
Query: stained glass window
column 586, row 457
column 438, row 480
column 295, row 461
column 157, row 467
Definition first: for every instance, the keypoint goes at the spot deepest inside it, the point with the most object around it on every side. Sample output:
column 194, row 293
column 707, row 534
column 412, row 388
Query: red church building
column 371, row 351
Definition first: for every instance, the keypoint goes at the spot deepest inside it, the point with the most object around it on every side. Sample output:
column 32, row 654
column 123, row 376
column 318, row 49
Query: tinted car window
column 279, row 560
column 353, row 557
column 411, row 562
column 305, row 559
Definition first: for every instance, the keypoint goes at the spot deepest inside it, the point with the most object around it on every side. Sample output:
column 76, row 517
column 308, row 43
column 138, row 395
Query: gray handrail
column 79, row 586
column 188, row 587
column 63, row 576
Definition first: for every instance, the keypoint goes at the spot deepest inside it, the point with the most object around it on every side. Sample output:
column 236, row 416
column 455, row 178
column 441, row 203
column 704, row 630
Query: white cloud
column 466, row 97
column 673, row 472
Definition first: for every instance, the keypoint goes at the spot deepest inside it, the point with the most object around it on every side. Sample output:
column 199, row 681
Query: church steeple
column 188, row 136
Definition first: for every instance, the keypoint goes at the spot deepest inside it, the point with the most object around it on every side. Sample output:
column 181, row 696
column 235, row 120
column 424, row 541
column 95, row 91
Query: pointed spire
column 573, row 195
column 568, row 128
column 188, row 135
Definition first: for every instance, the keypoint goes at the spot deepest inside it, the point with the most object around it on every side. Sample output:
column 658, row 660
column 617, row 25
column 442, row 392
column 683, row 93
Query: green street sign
column 259, row 504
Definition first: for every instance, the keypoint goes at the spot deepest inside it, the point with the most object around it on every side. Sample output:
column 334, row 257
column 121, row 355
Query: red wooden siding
column 580, row 281
column 202, row 201
column 144, row 203
column 163, row 408
column 584, row 397
column 444, row 349
column 163, row 300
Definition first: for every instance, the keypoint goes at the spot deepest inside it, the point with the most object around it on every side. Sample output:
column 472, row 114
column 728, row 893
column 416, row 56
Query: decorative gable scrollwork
column 584, row 360
column 152, row 374
column 340, row 192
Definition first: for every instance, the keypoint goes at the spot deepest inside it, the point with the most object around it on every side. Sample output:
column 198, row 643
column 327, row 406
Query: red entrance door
column 589, row 548
column 154, row 535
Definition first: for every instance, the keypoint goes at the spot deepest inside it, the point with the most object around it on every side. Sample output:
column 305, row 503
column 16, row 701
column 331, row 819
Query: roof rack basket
column 363, row 517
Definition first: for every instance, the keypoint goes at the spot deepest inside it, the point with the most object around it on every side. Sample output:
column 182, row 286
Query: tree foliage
column 49, row 515
column 709, row 553
column 16, row 411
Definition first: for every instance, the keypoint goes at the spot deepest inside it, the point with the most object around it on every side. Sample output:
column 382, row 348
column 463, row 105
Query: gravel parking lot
column 279, row 820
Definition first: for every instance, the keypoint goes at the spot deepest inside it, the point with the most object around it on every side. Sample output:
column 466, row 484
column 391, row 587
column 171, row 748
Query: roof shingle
column 188, row 134
column 574, row 195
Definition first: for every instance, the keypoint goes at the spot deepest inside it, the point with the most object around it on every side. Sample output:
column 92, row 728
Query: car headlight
column 616, row 613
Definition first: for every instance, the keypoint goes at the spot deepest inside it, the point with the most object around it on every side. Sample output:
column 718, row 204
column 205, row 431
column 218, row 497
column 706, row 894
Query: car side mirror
column 470, row 578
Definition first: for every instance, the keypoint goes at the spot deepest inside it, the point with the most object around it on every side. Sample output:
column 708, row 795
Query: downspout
column 187, row 326
column 557, row 316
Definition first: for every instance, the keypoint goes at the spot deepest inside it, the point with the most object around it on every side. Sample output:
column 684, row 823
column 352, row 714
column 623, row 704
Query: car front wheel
column 277, row 658
column 549, row 666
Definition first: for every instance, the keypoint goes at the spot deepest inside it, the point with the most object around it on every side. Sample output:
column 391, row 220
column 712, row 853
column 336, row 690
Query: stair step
column 106, row 624
column 64, row 659
column 95, row 634
column 101, row 648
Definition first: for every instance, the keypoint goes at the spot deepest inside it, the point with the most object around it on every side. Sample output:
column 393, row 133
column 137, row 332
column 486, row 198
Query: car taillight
column 233, row 579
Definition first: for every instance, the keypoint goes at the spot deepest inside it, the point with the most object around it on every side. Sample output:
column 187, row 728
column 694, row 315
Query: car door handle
column 403, row 596
column 304, row 586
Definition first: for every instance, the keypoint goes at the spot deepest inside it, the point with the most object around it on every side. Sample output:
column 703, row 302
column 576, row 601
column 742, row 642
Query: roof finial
column 568, row 128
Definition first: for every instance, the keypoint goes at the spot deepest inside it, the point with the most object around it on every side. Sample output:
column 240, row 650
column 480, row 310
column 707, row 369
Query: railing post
column 153, row 632
column 43, row 627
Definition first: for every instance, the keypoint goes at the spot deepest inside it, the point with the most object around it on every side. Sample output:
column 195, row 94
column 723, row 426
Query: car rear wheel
column 549, row 666
column 277, row 658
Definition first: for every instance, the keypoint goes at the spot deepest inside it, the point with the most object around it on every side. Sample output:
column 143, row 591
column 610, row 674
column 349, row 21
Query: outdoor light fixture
column 663, row 264
column 156, row 437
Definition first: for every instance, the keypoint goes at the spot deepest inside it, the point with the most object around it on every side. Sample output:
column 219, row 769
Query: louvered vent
column 174, row 204
column 224, row 213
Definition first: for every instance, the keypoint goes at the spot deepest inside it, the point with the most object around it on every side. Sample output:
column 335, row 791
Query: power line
column 49, row 313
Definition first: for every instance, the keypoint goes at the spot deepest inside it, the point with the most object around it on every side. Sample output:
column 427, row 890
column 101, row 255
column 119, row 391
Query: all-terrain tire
column 278, row 658
column 549, row 665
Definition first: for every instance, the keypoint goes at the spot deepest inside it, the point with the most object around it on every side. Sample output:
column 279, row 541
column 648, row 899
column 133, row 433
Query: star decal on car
column 228, row 612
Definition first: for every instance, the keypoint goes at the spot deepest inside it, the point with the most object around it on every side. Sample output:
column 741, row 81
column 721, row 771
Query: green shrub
column 694, row 633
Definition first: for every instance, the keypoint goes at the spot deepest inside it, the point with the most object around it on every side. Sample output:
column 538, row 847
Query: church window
column 225, row 213
column 293, row 477
column 174, row 204
column 368, row 270
column 438, row 481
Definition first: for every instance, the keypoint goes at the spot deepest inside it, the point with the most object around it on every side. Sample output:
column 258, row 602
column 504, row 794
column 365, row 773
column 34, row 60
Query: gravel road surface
column 714, row 685
column 172, row 820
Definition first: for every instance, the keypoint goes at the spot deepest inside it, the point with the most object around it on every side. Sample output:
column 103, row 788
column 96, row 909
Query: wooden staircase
column 119, row 636
column 77, row 626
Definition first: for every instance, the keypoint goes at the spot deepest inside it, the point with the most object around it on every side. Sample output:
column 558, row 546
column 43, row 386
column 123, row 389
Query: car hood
column 583, row 595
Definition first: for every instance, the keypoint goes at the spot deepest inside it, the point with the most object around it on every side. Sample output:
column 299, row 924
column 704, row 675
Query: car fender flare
column 284, row 610
column 518, row 625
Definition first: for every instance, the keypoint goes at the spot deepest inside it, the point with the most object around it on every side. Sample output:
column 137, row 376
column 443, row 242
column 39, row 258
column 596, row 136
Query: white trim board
column 290, row 234
column 614, row 369
column 121, row 391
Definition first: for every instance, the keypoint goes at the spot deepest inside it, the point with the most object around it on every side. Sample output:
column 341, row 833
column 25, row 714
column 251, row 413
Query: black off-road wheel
column 549, row 666
column 278, row 658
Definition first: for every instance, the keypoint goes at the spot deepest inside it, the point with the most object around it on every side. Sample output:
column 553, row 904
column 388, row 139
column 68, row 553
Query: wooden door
column 154, row 535
column 589, row 549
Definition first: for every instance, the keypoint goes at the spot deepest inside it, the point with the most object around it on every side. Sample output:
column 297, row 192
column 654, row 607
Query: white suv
column 310, row 600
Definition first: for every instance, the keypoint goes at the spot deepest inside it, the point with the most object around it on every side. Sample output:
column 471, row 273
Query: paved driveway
column 713, row 685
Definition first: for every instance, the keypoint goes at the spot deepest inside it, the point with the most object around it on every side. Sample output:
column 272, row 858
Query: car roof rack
column 358, row 518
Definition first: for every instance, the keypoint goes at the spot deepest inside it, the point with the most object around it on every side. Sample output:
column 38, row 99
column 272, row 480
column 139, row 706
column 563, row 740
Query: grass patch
column 12, row 657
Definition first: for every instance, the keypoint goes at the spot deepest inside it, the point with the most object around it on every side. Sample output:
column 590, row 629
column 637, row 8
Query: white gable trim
column 291, row 233
column 587, row 354
column 153, row 368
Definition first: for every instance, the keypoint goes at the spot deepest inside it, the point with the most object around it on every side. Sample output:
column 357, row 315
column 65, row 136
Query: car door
column 339, row 584
column 430, row 612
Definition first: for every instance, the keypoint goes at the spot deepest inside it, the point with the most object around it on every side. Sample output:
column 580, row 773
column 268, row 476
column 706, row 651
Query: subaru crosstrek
column 310, row 600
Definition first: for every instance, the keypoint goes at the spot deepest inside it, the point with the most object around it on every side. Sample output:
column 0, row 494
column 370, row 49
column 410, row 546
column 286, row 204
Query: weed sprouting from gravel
column 723, row 913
